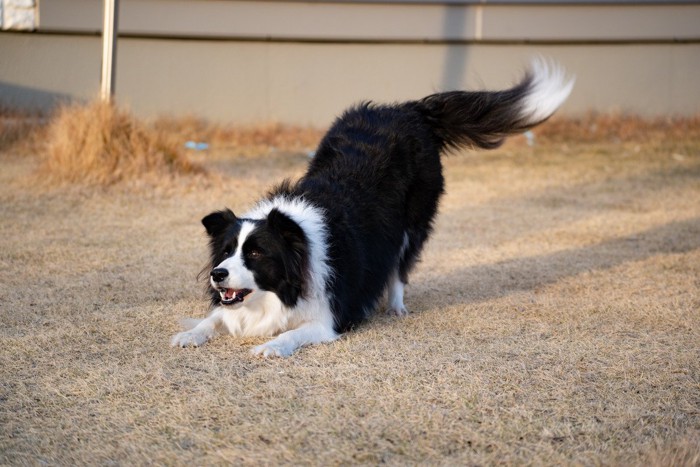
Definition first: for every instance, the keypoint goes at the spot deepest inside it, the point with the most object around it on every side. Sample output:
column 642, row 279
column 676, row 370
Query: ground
column 555, row 319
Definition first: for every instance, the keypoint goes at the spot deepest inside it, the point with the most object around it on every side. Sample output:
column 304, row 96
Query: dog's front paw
column 189, row 339
column 399, row 311
column 274, row 348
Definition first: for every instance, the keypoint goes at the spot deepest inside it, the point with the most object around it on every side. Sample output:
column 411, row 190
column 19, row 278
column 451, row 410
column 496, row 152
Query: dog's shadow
column 492, row 281
column 478, row 283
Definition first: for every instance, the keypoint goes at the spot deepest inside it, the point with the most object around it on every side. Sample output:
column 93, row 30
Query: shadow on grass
column 485, row 282
column 560, row 205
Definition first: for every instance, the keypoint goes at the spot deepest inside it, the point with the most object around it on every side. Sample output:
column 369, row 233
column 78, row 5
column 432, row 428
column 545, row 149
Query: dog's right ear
column 217, row 221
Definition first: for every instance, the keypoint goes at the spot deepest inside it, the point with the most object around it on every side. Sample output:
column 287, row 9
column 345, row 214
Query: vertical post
column 109, row 49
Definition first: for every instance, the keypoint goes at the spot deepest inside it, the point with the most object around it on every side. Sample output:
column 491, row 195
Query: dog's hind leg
column 396, row 288
column 397, row 283
column 414, row 240
column 421, row 208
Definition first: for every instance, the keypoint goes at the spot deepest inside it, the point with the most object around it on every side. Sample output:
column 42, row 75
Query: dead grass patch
column 554, row 322
column 619, row 128
column 101, row 144
column 247, row 140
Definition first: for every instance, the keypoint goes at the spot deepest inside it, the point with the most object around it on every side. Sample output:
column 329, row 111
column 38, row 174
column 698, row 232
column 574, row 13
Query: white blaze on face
column 239, row 277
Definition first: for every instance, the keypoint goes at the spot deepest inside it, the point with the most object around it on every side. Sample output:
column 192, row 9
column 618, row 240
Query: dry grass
column 617, row 128
column 103, row 145
column 244, row 140
column 555, row 320
column 19, row 131
column 100, row 144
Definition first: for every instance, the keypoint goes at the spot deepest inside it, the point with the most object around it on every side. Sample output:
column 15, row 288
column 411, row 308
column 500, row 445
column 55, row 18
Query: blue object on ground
column 530, row 137
column 196, row 146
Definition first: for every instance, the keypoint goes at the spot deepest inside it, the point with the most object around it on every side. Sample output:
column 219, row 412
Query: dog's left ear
column 294, row 259
column 217, row 221
column 285, row 227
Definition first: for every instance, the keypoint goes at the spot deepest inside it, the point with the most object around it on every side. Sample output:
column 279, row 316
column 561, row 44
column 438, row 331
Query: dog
column 314, row 257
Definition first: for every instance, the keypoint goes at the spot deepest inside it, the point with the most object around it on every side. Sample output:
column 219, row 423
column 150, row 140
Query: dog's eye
column 254, row 254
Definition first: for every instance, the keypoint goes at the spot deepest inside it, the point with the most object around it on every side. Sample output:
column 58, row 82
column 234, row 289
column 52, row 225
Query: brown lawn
column 555, row 318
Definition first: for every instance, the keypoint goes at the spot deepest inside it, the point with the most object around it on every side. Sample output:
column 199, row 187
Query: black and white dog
column 314, row 257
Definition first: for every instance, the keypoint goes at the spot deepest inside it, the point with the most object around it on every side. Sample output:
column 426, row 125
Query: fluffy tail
column 485, row 118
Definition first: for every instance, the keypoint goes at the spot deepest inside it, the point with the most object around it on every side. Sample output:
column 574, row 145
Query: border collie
column 314, row 257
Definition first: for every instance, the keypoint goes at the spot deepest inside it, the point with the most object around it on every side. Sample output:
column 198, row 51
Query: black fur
column 477, row 119
column 282, row 267
column 377, row 176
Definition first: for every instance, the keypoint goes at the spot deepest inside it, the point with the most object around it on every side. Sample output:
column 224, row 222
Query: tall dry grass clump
column 101, row 144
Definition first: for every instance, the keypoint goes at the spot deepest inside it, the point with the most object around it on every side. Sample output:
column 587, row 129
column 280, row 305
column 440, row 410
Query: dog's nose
column 219, row 274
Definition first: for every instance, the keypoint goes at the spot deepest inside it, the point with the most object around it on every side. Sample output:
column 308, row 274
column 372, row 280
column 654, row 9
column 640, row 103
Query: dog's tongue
column 230, row 296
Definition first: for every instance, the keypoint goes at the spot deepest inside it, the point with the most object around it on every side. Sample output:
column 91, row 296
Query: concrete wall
column 646, row 63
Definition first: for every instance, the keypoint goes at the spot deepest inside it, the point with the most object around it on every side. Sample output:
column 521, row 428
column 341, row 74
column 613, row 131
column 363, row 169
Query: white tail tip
column 549, row 89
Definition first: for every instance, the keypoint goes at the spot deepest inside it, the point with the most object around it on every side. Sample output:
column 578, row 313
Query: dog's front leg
column 286, row 343
column 201, row 333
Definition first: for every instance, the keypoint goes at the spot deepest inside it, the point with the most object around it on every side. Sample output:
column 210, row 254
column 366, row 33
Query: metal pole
column 109, row 49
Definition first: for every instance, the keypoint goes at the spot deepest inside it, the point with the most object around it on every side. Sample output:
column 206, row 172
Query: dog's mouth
column 233, row 296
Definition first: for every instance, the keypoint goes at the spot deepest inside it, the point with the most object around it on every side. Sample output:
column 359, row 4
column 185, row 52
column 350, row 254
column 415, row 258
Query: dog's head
column 249, row 256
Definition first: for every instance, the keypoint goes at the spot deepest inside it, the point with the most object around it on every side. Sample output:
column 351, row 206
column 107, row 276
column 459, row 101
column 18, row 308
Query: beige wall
column 307, row 80
column 368, row 20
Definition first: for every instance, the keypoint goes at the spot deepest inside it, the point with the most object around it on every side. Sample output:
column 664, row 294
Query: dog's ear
column 282, row 225
column 217, row 221
column 295, row 257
